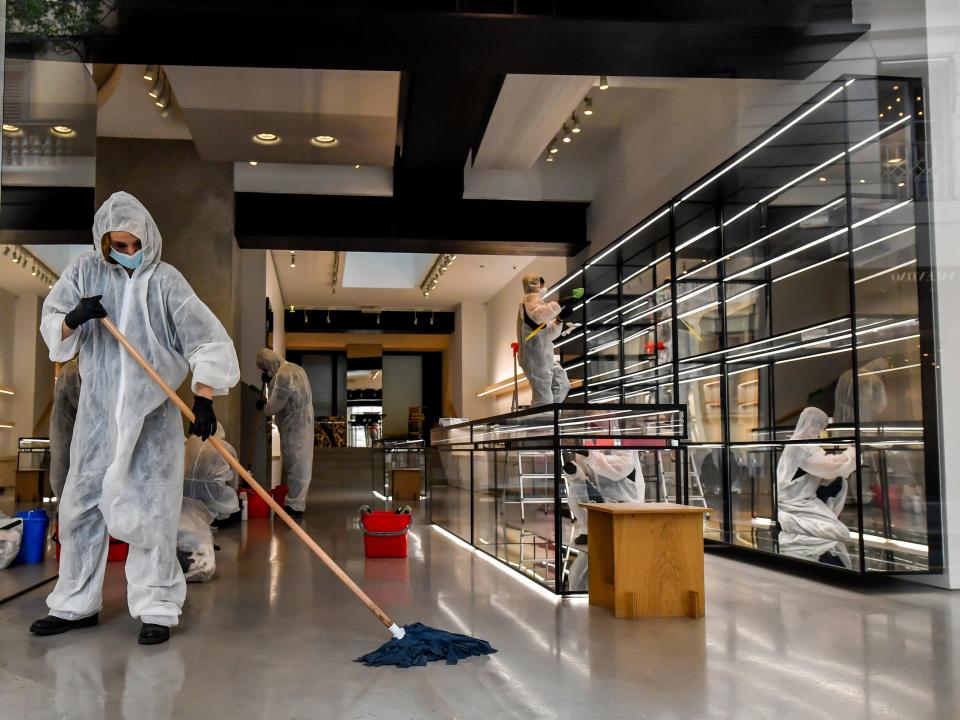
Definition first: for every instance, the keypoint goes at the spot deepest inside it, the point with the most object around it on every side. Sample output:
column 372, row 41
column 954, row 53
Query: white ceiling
column 225, row 107
column 471, row 278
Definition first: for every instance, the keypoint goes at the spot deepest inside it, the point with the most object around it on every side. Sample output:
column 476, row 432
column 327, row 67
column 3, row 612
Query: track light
column 566, row 134
column 603, row 82
column 305, row 318
column 328, row 317
column 163, row 102
column 293, row 259
column 552, row 147
column 378, row 317
column 549, row 158
column 150, row 73
column 293, row 308
column 587, row 106
column 158, row 85
column 34, row 272
column 415, row 317
column 431, row 317
column 576, row 124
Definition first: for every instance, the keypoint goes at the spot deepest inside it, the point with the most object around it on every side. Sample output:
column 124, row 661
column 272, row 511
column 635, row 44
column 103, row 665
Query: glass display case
column 390, row 455
column 796, row 274
column 512, row 485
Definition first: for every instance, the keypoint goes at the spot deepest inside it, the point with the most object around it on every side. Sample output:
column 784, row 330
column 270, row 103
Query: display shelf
column 795, row 274
column 505, row 491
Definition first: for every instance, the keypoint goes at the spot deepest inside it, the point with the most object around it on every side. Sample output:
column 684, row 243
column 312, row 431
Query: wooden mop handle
column 265, row 496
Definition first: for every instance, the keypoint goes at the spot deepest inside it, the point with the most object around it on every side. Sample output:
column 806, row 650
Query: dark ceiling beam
column 387, row 224
column 46, row 215
column 685, row 38
column 357, row 321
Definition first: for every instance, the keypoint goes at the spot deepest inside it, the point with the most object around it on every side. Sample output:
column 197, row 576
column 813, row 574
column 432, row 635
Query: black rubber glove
column 566, row 306
column 265, row 377
column 261, row 404
column 87, row 309
column 205, row 421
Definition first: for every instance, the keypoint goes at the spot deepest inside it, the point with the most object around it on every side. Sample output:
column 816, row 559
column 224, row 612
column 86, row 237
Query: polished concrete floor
column 273, row 637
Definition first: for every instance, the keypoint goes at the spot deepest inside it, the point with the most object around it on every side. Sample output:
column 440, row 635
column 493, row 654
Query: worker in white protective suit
column 66, row 399
column 290, row 400
column 812, row 485
column 539, row 323
column 207, row 477
column 608, row 475
column 872, row 391
column 126, row 461
column 195, row 550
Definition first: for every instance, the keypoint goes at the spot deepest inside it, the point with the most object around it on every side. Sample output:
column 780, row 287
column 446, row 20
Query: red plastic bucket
column 385, row 534
column 279, row 493
column 256, row 506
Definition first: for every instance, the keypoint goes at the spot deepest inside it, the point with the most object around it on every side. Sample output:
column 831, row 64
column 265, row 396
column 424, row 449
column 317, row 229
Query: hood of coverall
column 532, row 283
column 123, row 212
column 812, row 422
column 269, row 361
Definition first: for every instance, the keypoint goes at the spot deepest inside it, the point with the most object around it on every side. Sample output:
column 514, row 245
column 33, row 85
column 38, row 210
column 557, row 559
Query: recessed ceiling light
column 862, row 180
column 549, row 158
column 266, row 138
column 566, row 135
column 356, row 167
column 896, row 87
column 901, row 183
column 552, row 147
column 11, row 130
column 894, row 161
column 822, row 179
column 63, row 131
column 324, row 141
column 254, row 163
column 576, row 124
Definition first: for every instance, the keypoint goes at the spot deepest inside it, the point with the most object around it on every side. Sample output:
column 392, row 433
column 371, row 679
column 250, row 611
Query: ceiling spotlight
column 822, row 179
column 603, row 82
column 576, row 124
column 896, row 87
column 378, row 317
column 862, row 180
column 426, row 293
column 63, row 131
column 894, row 161
column 901, row 183
column 254, row 163
column 431, row 317
column 920, row 112
column 11, row 130
column 150, row 73
column 587, row 106
column 566, row 134
column 165, row 113
column 158, row 85
column 266, row 138
column 293, row 259
column 919, row 98
column 415, row 317
column 549, row 158
column 16, row 258
column 324, row 141
column 34, row 273
column 552, row 147
column 356, row 167
column 328, row 317
column 163, row 102
column 293, row 308
column 900, row 114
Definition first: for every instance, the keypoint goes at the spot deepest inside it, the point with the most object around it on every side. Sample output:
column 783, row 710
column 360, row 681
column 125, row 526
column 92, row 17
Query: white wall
column 26, row 324
column 402, row 389
column 276, row 303
column 8, row 305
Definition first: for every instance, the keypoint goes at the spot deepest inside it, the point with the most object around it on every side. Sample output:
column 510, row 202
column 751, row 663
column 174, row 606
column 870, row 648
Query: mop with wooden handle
column 412, row 645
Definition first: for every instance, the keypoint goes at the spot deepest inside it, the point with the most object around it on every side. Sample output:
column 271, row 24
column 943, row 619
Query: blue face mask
column 131, row 262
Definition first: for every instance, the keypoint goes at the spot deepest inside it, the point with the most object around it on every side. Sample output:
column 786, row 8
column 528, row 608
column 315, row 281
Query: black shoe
column 295, row 514
column 51, row 625
column 151, row 634
column 581, row 539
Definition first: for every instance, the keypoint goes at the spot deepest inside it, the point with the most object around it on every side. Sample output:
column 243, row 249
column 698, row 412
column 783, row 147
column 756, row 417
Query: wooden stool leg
column 693, row 600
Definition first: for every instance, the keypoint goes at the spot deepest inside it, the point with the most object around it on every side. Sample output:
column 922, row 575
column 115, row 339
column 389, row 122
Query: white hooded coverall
column 63, row 416
column 126, row 459
column 547, row 378
column 800, row 471
column 291, row 401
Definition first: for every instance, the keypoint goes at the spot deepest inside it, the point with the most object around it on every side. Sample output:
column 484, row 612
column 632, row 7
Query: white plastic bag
column 195, row 542
column 11, row 533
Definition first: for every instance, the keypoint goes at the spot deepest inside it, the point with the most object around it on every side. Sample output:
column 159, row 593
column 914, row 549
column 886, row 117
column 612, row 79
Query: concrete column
column 192, row 202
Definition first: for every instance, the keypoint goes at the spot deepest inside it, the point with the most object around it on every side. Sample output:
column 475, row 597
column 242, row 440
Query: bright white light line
column 877, row 134
column 570, row 279
column 784, row 256
column 886, row 271
column 626, row 238
column 569, row 339
column 763, row 144
column 888, row 370
column 692, row 240
column 765, row 237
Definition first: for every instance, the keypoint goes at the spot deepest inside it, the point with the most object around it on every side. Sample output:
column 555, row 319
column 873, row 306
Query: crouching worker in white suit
column 812, row 485
column 126, row 457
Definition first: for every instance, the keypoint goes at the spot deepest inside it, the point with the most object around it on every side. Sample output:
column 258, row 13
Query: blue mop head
column 424, row 644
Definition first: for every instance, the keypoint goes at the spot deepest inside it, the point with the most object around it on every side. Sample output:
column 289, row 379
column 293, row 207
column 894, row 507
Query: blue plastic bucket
column 34, row 541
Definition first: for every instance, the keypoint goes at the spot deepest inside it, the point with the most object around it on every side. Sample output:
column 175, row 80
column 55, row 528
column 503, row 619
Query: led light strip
column 569, row 339
column 879, row 133
column 885, row 237
column 629, row 236
column 763, row 144
column 784, row 256
column 894, row 369
column 886, row 271
column 746, row 247
column 692, row 240
column 559, row 285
